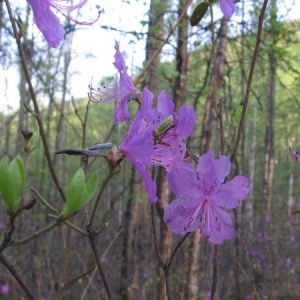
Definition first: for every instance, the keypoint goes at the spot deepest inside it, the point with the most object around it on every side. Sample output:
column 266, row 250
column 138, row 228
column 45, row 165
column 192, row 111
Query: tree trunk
column 59, row 141
column 270, row 108
column 151, row 81
column 23, row 91
column 210, row 118
column 128, row 266
column 154, row 39
column 206, row 144
column 181, row 58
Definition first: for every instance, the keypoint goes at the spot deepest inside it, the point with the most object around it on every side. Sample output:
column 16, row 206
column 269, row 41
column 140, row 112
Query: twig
column 169, row 262
column 163, row 43
column 35, row 235
column 162, row 264
column 93, row 240
column 35, row 103
column 249, row 82
column 55, row 211
column 17, row 276
column 103, row 186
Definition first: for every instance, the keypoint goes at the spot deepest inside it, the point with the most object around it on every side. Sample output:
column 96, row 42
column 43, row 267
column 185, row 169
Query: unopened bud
column 164, row 125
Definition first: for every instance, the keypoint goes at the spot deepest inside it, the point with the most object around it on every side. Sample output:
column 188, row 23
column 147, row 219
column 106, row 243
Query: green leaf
column 238, row 115
column 199, row 13
column 79, row 193
column 90, row 189
column 75, row 194
column 17, row 173
column 12, row 182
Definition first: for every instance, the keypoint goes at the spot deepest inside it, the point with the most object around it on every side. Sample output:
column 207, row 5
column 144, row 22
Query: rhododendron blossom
column 228, row 8
column 169, row 145
column 203, row 199
column 48, row 23
column 122, row 92
column 138, row 144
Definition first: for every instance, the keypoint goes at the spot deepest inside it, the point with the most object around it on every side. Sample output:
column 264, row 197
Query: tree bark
column 181, row 58
column 210, row 118
column 206, row 143
column 270, row 109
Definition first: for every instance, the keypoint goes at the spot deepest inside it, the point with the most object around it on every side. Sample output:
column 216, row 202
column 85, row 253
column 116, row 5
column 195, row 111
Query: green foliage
column 79, row 193
column 12, row 182
column 199, row 13
column 237, row 115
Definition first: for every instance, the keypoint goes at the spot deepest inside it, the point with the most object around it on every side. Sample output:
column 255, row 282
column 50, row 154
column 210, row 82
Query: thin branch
column 56, row 212
column 93, row 240
column 17, row 276
column 169, row 262
column 249, row 82
column 35, row 235
column 103, row 186
column 35, row 103
column 163, row 43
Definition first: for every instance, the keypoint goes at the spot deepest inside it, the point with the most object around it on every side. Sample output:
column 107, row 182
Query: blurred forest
column 262, row 261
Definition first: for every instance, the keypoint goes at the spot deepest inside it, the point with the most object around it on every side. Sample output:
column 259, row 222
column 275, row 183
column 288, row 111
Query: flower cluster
column 156, row 137
column 48, row 23
column 204, row 199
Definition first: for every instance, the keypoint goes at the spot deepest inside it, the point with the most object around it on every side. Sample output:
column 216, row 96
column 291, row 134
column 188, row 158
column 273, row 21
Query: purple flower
column 123, row 92
column 48, row 23
column 204, row 198
column 268, row 219
column 138, row 144
column 296, row 155
column 288, row 263
column 227, row 8
column 169, row 146
column 4, row 289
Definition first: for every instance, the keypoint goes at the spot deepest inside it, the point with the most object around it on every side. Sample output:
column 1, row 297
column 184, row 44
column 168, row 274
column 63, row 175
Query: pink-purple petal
column 165, row 105
column 220, row 227
column 212, row 168
column 179, row 218
column 232, row 193
column 149, row 184
column 186, row 121
column 47, row 22
column 182, row 180
column 228, row 8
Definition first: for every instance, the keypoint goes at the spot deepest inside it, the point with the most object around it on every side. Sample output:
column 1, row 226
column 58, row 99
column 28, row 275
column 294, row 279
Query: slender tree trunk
column 181, row 58
column 23, row 91
column 290, row 191
column 206, row 144
column 128, row 266
column 249, row 203
column 154, row 39
column 210, row 118
column 270, row 109
column 59, row 141
column 165, row 238
column 192, row 288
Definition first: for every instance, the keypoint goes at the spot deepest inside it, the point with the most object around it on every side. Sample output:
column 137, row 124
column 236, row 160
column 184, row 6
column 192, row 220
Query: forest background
column 262, row 261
